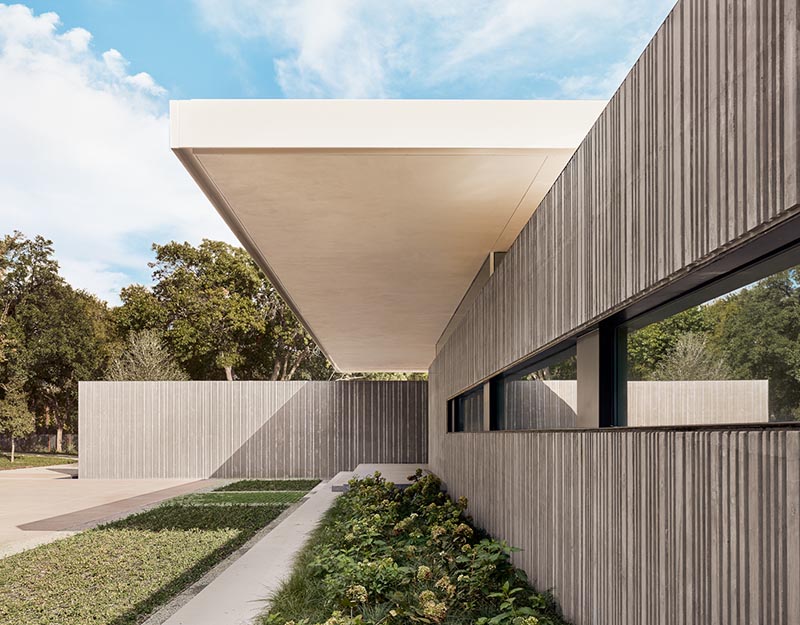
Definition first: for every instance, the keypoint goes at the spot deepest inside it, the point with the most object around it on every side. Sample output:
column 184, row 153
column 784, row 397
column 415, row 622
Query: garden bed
column 382, row 556
column 117, row 573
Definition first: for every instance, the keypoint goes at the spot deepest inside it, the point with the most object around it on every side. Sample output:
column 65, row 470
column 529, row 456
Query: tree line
column 210, row 314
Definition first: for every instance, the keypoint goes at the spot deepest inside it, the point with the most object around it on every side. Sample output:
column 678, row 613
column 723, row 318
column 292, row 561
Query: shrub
column 388, row 556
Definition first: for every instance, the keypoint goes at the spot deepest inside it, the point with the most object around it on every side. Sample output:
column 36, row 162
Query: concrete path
column 238, row 595
column 42, row 504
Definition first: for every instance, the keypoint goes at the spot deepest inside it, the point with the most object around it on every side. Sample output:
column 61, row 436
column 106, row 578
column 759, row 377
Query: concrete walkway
column 238, row 595
column 42, row 504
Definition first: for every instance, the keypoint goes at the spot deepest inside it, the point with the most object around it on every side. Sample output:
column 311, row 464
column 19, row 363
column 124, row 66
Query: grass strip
column 117, row 573
column 25, row 461
column 269, row 485
column 249, row 498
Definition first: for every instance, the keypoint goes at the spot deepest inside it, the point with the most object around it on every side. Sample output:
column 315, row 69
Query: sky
column 85, row 87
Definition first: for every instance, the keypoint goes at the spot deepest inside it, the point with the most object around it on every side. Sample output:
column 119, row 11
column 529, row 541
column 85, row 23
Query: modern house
column 487, row 241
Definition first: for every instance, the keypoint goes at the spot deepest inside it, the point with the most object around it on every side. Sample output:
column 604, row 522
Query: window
column 731, row 359
column 540, row 395
column 466, row 411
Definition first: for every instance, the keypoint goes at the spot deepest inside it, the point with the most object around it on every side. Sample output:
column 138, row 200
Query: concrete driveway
column 42, row 504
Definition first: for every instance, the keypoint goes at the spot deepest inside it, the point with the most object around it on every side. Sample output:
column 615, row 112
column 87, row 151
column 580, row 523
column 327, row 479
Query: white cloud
column 85, row 158
column 362, row 48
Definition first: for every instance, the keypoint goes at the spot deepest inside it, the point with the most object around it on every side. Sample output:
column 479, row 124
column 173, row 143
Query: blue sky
column 84, row 157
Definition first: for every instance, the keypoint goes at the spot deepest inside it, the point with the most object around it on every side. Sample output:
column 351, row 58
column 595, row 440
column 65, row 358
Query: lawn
column 118, row 573
column 24, row 461
column 249, row 498
column 262, row 485
column 382, row 556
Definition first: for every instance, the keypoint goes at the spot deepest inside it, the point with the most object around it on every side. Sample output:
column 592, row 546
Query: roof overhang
column 372, row 217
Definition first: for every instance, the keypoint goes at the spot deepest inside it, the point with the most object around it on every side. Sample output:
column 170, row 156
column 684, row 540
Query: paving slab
column 398, row 474
column 240, row 593
column 42, row 504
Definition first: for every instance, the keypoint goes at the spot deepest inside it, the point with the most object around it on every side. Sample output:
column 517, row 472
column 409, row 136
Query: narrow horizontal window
column 465, row 412
column 540, row 395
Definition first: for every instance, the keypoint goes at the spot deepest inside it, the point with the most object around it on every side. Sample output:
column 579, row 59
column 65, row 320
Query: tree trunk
column 276, row 370
column 12, row 449
column 229, row 374
column 59, row 438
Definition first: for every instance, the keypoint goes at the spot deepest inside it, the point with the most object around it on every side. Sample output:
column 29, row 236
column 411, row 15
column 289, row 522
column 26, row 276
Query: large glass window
column 540, row 395
column 733, row 359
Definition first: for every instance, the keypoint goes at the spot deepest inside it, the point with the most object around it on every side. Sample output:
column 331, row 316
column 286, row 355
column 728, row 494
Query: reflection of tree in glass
column 567, row 369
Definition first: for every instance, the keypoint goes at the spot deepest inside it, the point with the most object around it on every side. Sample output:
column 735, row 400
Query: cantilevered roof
column 372, row 217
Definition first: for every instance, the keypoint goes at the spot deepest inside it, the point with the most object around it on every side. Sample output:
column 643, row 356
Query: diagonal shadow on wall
column 329, row 427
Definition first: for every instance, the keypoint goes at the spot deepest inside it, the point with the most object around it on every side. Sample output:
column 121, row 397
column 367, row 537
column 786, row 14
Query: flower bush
column 387, row 556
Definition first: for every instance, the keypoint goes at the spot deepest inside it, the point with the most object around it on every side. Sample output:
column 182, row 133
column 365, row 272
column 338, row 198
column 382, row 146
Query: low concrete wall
column 534, row 404
column 248, row 429
column 698, row 403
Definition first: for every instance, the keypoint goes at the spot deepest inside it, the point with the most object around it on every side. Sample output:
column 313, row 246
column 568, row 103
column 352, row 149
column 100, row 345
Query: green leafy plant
column 384, row 556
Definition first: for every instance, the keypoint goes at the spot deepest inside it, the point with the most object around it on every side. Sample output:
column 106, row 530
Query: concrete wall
column 698, row 403
column 694, row 161
column 636, row 527
column 247, row 429
column 552, row 404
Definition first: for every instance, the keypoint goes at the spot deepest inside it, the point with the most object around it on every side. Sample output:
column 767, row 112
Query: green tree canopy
column 220, row 315
column 648, row 346
column 758, row 331
column 65, row 343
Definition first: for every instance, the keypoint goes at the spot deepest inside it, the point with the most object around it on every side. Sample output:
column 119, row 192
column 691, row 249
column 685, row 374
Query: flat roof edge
column 381, row 124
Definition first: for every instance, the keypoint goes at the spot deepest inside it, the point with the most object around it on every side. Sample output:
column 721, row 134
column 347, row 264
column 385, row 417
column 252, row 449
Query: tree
column 145, row 358
column 691, row 359
column 648, row 346
column 140, row 310
column 758, row 331
column 15, row 418
column 64, row 344
column 26, row 265
column 220, row 316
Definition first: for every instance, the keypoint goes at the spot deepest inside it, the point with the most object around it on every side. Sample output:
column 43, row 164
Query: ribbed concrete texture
column 696, row 156
column 635, row 527
column 247, row 429
column 697, row 153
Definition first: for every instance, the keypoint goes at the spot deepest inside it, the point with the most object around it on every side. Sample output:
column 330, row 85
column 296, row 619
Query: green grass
column 250, row 498
column 267, row 485
column 24, row 461
column 117, row 573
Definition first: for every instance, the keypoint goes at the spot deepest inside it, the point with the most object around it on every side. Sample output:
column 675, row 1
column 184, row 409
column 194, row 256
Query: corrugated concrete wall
column 552, row 404
column 248, row 429
column 696, row 155
column 632, row 527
